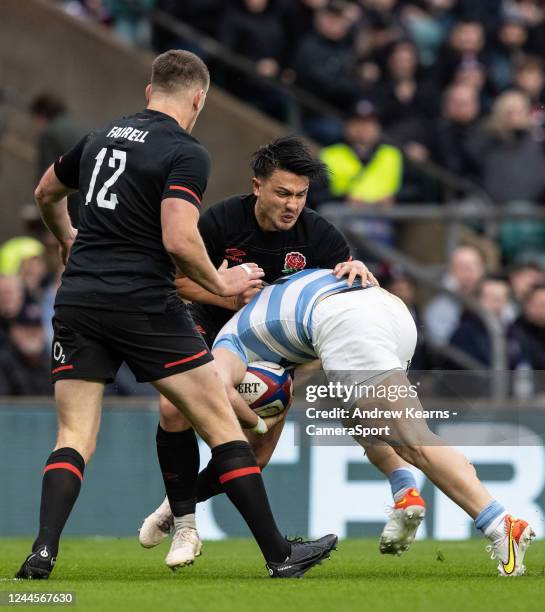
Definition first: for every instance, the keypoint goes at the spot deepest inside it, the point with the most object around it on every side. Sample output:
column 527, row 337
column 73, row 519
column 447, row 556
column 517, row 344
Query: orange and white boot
column 402, row 524
column 510, row 541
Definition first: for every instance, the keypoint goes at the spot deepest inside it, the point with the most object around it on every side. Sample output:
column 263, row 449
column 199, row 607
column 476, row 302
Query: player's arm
column 232, row 369
column 59, row 181
column 184, row 244
column 189, row 290
column 181, row 200
column 213, row 227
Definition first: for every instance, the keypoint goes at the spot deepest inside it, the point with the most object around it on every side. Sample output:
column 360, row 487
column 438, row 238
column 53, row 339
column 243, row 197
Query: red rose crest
column 294, row 262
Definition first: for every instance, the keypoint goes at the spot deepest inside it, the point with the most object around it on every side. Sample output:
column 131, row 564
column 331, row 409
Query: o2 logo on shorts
column 58, row 353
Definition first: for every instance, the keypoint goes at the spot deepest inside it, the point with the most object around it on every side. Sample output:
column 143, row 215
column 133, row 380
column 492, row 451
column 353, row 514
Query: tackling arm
column 184, row 244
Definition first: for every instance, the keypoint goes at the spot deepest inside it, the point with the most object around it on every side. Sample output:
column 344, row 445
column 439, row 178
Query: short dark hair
column 525, row 265
column 176, row 69
column 492, row 277
column 47, row 105
column 290, row 154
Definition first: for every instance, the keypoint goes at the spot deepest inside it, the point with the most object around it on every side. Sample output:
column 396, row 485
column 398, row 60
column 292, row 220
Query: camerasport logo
column 294, row 262
column 234, row 254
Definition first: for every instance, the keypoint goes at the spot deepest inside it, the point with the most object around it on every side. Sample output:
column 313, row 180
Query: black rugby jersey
column 230, row 231
column 123, row 172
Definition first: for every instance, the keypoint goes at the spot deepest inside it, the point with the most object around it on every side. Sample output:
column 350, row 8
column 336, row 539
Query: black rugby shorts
column 91, row 343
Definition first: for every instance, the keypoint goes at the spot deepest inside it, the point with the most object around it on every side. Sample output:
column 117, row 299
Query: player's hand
column 66, row 245
column 239, row 279
column 278, row 418
column 353, row 269
column 247, row 296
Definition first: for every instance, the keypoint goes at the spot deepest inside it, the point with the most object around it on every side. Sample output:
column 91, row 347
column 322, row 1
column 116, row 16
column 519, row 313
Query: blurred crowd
column 455, row 83
column 513, row 302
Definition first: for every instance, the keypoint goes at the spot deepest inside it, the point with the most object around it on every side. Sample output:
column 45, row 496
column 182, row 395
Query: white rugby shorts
column 361, row 335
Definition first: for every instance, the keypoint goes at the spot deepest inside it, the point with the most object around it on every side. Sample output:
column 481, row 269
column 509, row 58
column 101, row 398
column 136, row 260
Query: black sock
column 178, row 454
column 240, row 478
column 63, row 475
column 208, row 484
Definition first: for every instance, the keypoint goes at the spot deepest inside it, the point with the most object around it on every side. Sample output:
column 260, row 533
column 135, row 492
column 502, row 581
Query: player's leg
column 175, row 444
column 161, row 522
column 408, row 509
column 166, row 350
column 451, row 472
column 235, row 466
column 447, row 467
column 79, row 406
column 350, row 353
column 81, row 366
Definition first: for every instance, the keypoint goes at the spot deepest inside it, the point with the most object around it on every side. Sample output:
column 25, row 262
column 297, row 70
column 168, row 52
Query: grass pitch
column 117, row 574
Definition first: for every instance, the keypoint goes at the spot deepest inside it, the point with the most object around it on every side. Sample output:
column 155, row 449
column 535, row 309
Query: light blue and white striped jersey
column 276, row 325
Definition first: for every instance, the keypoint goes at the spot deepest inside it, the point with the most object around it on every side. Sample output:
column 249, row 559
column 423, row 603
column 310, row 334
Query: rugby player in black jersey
column 143, row 178
column 273, row 228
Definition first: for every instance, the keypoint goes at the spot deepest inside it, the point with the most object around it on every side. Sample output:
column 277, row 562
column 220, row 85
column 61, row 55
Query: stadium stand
column 425, row 111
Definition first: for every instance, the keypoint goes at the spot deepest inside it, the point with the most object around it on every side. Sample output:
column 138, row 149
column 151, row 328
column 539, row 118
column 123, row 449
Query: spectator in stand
column 522, row 277
column 507, row 146
column 442, row 315
column 451, row 138
column 471, row 336
column 364, row 169
column 325, row 61
column 385, row 25
column 14, row 251
column 12, row 297
column 508, row 50
column 253, row 29
column 474, row 74
column 529, row 329
column 465, row 44
column 24, row 360
column 428, row 23
column 530, row 79
column 405, row 98
column 297, row 19
column 533, row 15
column 58, row 132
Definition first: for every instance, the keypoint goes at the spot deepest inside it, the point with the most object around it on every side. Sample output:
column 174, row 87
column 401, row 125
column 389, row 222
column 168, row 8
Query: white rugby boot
column 403, row 521
column 186, row 545
column 510, row 541
column 157, row 526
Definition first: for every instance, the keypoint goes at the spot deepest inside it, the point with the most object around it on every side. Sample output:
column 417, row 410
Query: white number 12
column 102, row 200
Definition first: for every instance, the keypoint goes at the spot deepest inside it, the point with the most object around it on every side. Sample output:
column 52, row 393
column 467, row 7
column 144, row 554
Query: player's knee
column 173, row 421
column 170, row 418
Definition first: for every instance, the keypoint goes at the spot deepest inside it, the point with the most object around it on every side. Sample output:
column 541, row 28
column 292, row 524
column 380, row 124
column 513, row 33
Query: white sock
column 187, row 520
column 490, row 531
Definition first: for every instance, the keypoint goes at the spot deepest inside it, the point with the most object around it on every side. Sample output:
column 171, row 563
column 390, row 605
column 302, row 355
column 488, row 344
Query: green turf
column 116, row 574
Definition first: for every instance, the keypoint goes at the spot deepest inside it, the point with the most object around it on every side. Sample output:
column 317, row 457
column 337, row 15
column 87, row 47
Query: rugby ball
column 266, row 388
